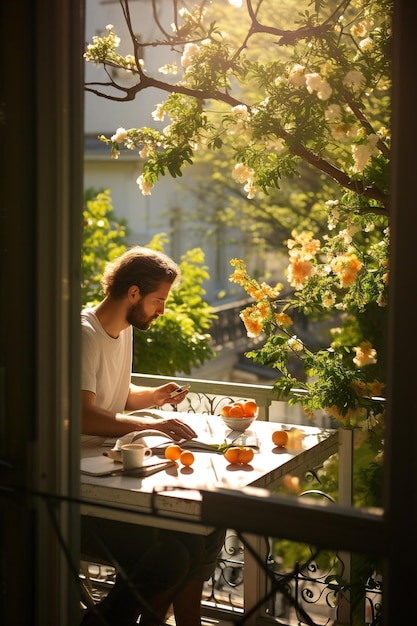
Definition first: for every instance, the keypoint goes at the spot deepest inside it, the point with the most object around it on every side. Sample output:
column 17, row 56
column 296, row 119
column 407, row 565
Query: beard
column 137, row 318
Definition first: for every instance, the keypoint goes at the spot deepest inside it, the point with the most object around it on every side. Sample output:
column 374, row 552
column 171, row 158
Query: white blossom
column 167, row 130
column 241, row 110
column 296, row 75
column 363, row 152
column 355, row 80
column 366, row 44
column 333, row 112
column 144, row 153
column 295, row 344
column 333, row 217
column 130, row 62
column 328, row 299
column 315, row 82
column 191, row 51
column 144, row 186
column 242, row 173
column 184, row 13
column 169, row 68
column 159, row 113
column 250, row 189
column 119, row 136
column 359, row 30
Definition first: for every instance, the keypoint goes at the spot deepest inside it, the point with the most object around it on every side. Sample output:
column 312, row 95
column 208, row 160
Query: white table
column 172, row 498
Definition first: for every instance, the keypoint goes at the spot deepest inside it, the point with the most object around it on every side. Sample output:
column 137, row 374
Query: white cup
column 133, row 455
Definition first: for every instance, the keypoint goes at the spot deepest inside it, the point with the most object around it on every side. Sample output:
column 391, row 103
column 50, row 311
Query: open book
column 157, row 442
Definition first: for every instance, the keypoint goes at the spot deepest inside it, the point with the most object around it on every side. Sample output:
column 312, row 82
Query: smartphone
column 179, row 390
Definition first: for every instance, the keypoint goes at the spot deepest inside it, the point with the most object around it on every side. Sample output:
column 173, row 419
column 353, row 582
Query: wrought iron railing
column 206, row 396
column 227, row 327
column 307, row 593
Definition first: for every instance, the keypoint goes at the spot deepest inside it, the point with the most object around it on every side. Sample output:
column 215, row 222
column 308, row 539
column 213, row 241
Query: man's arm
column 145, row 397
column 97, row 421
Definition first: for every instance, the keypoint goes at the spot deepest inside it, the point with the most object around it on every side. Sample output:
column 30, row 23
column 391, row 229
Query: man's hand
column 165, row 394
column 175, row 428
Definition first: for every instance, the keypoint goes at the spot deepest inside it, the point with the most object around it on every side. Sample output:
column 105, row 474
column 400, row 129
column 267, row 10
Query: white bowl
column 238, row 423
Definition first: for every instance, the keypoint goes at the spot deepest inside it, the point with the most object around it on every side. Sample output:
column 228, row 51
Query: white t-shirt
column 106, row 363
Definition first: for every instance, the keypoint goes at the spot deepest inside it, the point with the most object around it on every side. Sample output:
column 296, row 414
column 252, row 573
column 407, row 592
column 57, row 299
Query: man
column 136, row 287
column 158, row 567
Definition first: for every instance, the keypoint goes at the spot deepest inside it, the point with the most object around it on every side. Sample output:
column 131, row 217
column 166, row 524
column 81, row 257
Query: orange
column 225, row 410
column 291, row 484
column 236, row 410
column 173, row 452
column 280, row 438
column 239, row 455
column 187, row 458
column 232, row 455
column 246, row 455
column 249, row 408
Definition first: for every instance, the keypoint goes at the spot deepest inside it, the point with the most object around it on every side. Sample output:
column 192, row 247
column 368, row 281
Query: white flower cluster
column 119, row 136
column 333, row 214
column 361, row 30
column 159, row 113
column 354, row 80
column 169, row 68
column 244, row 174
column 242, row 117
column 144, row 186
column 366, row 44
column 315, row 82
column 312, row 81
column 296, row 75
column 333, row 113
column 363, row 152
column 294, row 343
column 95, row 50
column 190, row 54
column 144, row 152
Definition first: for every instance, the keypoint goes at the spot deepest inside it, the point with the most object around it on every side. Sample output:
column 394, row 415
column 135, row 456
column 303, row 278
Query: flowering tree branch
column 292, row 115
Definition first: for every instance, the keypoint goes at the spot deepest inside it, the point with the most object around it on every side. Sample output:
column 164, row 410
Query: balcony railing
column 206, row 396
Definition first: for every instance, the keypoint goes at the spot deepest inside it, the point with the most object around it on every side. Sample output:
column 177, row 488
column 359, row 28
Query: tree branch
column 147, row 82
column 287, row 36
column 291, row 36
column 294, row 147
